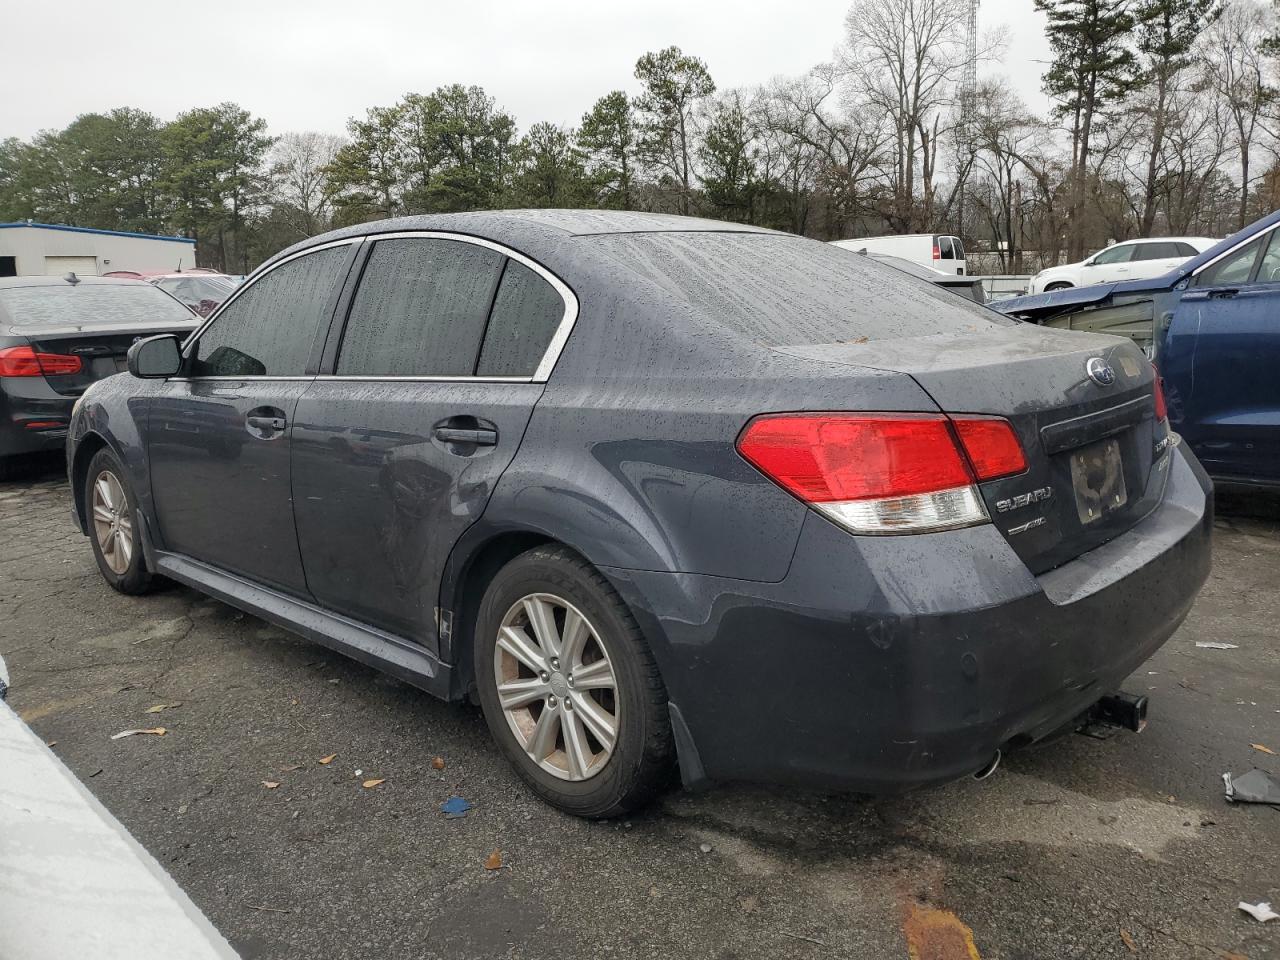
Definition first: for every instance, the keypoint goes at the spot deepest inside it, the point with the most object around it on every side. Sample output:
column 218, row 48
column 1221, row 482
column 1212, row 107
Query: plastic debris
column 455, row 807
column 1256, row 786
column 1261, row 912
column 154, row 732
column 1216, row 645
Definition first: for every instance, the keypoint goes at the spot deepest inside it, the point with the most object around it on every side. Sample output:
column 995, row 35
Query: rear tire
column 1049, row 288
column 114, row 527
column 597, row 744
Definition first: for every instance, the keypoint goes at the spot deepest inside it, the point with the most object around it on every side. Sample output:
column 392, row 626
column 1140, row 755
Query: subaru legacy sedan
column 660, row 492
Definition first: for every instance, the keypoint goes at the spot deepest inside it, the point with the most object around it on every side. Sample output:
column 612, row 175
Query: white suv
column 1130, row 260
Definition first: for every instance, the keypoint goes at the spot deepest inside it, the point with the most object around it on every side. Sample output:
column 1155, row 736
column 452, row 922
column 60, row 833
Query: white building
column 36, row 249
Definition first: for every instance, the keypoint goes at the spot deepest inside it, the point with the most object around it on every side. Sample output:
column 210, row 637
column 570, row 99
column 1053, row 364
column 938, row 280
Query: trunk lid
column 101, row 347
column 1090, row 447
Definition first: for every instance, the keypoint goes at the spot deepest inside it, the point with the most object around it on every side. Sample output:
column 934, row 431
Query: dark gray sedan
column 655, row 490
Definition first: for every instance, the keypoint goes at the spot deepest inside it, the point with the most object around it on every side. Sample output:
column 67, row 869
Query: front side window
column 526, row 314
column 420, row 309
column 1119, row 254
column 269, row 330
column 1234, row 268
column 1269, row 268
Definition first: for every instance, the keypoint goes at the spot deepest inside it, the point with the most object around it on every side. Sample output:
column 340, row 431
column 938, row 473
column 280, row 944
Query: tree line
column 1164, row 120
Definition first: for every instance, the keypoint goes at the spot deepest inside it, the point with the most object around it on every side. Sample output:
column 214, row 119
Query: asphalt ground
column 1086, row 848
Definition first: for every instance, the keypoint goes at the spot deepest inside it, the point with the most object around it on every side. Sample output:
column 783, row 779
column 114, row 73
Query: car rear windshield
column 786, row 291
column 90, row 303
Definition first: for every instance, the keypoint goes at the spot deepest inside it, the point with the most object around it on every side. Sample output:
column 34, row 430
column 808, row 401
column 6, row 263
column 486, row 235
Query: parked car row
column 201, row 290
column 1210, row 325
column 659, row 491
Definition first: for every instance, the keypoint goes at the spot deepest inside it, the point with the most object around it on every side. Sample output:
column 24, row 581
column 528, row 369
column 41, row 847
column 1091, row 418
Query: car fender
column 96, row 421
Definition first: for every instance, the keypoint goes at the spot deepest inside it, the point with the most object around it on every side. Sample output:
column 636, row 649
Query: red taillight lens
column 884, row 473
column 937, row 254
column 26, row 362
column 1162, row 409
column 991, row 445
column 832, row 457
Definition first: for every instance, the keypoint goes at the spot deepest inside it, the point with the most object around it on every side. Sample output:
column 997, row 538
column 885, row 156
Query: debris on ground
column 1127, row 939
column 327, row 760
column 1263, row 749
column 370, row 784
column 1216, row 645
column 1256, row 786
column 163, row 706
column 270, row 784
column 493, row 861
column 455, row 807
column 291, row 768
column 437, row 763
column 705, row 847
column 154, row 732
column 1261, row 912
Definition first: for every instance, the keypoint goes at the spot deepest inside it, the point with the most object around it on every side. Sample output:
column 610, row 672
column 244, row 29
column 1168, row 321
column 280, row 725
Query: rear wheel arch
column 1057, row 285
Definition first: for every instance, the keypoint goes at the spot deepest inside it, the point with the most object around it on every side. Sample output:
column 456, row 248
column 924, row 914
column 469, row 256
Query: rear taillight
column 937, row 254
column 1157, row 387
column 885, row 472
column 27, row 362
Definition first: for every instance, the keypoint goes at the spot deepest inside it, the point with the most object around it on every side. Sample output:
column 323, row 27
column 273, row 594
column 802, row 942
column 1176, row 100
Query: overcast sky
column 311, row 64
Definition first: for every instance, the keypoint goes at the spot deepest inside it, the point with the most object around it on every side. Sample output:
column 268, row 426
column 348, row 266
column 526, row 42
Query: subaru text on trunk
column 655, row 490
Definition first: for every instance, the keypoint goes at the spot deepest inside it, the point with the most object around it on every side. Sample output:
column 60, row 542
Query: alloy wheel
column 557, row 686
column 112, row 522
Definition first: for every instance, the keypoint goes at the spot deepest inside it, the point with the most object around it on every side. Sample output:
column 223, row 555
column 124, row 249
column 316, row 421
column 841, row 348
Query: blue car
column 1212, row 326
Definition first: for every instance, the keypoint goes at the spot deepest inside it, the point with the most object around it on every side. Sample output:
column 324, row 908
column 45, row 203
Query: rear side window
column 1186, row 249
column 269, row 330
column 420, row 310
column 526, row 313
column 781, row 290
column 1234, row 268
column 1269, row 268
column 1161, row 250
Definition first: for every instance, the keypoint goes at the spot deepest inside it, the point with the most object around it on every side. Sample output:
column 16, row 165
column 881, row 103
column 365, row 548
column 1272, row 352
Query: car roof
column 8, row 283
column 534, row 233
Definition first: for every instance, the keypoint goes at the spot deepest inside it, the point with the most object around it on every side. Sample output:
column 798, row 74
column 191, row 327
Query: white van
column 928, row 249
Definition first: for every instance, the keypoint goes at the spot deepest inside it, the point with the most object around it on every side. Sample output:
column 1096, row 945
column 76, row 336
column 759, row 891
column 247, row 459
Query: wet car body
column 83, row 332
column 791, row 648
column 1210, row 327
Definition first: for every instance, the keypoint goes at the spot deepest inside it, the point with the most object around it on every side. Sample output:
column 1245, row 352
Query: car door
column 423, row 402
column 1109, row 266
column 218, row 437
column 1218, row 361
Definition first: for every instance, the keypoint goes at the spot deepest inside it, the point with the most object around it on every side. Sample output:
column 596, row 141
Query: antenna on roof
column 71, row 278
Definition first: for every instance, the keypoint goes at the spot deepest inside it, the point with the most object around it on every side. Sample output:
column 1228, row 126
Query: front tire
column 569, row 688
column 1060, row 285
column 114, row 526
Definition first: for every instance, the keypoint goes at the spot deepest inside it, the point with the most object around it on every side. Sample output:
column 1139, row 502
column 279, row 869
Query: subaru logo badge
column 1100, row 372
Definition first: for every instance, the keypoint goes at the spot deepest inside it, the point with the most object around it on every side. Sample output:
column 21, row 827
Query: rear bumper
column 26, row 400
column 884, row 663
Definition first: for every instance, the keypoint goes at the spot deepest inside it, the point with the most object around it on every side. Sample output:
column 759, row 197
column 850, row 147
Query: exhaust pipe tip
column 988, row 768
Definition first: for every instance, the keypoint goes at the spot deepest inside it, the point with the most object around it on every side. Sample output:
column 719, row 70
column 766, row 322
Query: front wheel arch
column 86, row 449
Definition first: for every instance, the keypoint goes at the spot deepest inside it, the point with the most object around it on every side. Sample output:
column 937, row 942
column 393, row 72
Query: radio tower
column 969, row 80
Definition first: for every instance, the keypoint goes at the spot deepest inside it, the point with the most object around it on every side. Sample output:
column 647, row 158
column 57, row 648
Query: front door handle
column 1223, row 294
column 481, row 437
column 266, row 423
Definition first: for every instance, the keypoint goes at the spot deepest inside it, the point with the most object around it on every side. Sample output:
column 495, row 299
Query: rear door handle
column 481, row 437
column 266, row 423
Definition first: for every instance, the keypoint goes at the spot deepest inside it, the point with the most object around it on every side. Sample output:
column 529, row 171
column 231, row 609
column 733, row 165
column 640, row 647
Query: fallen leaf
column 328, row 759
column 162, row 706
column 270, row 784
column 1128, row 941
column 1258, row 746
column 493, row 861
column 437, row 763
column 291, row 768
column 370, row 784
column 154, row 731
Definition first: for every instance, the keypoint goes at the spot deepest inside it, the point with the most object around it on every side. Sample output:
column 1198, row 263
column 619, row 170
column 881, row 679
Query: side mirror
column 155, row 357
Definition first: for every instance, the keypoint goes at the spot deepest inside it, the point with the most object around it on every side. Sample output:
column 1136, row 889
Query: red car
column 201, row 290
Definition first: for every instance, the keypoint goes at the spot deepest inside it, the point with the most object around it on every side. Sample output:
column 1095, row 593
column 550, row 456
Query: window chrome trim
column 1229, row 251
column 254, row 278
column 555, row 346
column 399, row 379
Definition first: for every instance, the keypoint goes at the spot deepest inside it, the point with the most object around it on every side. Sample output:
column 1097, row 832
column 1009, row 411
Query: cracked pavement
column 1067, row 852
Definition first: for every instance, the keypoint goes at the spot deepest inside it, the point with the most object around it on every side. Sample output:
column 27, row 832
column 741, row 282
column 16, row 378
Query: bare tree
column 1235, row 64
column 300, row 170
column 903, row 59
